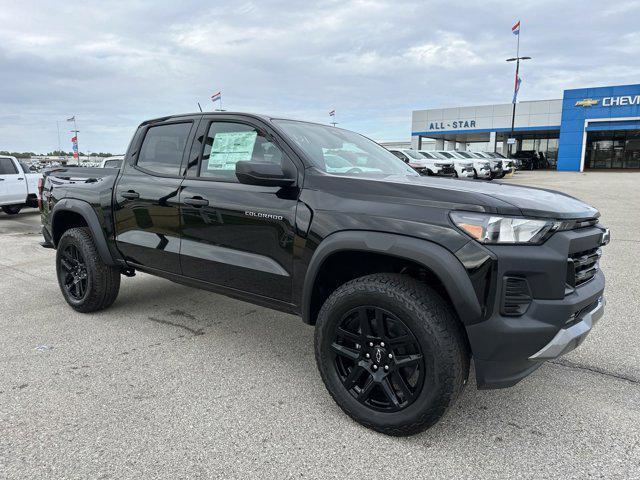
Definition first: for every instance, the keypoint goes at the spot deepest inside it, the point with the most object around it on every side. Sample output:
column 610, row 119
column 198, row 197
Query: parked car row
column 453, row 163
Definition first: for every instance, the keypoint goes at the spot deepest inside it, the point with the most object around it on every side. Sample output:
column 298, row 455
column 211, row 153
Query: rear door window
column 162, row 148
column 7, row 167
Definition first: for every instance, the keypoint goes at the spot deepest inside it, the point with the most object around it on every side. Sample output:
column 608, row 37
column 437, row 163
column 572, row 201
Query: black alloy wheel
column 378, row 359
column 74, row 269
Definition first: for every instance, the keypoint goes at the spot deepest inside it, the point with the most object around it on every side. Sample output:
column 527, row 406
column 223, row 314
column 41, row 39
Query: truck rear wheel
column 391, row 353
column 86, row 282
column 11, row 209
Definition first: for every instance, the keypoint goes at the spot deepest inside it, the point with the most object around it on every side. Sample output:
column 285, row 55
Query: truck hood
column 532, row 202
column 460, row 194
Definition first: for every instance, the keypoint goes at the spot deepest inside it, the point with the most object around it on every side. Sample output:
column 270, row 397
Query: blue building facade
column 600, row 128
column 588, row 128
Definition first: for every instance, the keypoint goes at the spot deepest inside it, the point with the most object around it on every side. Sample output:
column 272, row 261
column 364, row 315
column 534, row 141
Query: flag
column 216, row 96
column 516, row 28
column 332, row 113
column 516, row 89
column 72, row 119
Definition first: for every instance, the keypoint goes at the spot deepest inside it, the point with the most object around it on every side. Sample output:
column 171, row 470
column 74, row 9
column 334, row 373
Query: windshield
column 328, row 146
column 413, row 154
column 427, row 155
column 446, row 155
column 465, row 154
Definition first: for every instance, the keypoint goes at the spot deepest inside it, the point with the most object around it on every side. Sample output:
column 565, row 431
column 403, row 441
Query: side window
column 7, row 167
column 162, row 148
column 228, row 143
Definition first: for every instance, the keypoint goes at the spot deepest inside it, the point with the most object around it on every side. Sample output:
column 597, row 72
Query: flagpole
column 75, row 127
column 59, row 146
column 516, row 80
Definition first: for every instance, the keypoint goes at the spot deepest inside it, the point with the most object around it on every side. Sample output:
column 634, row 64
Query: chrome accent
column 569, row 338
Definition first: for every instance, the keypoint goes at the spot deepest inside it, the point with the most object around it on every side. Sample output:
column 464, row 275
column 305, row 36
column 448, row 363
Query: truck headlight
column 495, row 229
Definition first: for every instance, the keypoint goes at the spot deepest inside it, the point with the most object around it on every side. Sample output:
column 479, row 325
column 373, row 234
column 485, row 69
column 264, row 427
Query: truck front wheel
column 86, row 282
column 391, row 353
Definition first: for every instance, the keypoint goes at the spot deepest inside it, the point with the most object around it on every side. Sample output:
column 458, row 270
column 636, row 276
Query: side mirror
column 264, row 174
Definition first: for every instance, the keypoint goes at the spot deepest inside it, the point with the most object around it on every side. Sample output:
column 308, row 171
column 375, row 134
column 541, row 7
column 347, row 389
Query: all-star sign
column 454, row 125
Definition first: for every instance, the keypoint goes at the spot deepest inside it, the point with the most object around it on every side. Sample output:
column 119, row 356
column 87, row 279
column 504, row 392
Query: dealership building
column 588, row 128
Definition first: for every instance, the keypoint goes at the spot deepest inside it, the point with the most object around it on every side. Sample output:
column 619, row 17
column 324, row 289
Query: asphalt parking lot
column 174, row 382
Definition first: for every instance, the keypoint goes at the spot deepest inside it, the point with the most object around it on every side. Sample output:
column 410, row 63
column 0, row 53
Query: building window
column 613, row 149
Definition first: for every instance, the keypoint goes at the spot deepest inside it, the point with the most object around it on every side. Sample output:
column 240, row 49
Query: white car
column 497, row 170
column 462, row 168
column 481, row 168
column 441, row 165
column 337, row 164
column 508, row 165
column 18, row 187
column 424, row 164
column 112, row 162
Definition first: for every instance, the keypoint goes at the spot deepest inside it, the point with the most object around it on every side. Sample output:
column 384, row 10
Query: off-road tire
column 103, row 282
column 433, row 323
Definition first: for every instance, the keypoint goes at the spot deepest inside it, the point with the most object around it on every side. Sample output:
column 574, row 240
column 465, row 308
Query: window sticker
column 230, row 148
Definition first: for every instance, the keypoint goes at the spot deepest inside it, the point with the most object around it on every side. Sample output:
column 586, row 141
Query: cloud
column 115, row 64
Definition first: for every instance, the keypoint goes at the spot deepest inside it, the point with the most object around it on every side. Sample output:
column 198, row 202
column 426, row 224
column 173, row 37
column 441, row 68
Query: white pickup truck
column 18, row 187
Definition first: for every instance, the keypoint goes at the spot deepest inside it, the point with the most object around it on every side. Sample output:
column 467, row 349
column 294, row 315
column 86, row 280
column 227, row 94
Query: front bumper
column 466, row 173
column 510, row 348
column 506, row 346
column 484, row 173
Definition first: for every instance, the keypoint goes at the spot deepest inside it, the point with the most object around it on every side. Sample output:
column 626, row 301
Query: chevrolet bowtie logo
column 587, row 102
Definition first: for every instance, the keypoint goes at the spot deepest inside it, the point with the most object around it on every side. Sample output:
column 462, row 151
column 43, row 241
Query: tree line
column 55, row 153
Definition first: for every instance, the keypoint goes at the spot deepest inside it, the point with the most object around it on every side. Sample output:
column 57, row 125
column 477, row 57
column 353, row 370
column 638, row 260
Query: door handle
column 131, row 195
column 196, row 201
column 20, row 178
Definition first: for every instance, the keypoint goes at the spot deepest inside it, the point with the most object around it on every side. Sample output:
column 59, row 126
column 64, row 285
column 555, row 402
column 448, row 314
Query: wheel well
column 65, row 220
column 344, row 266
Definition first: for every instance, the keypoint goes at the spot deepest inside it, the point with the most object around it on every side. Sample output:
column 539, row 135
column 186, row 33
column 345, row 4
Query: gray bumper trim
column 569, row 338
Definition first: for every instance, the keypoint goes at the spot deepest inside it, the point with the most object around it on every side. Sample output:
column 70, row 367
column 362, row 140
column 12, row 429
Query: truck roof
column 243, row 114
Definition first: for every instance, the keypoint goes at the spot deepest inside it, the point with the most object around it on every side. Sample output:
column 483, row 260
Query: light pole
column 516, row 59
column 59, row 146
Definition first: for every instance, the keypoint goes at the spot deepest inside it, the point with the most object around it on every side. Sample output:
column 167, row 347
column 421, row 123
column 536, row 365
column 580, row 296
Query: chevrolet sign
column 587, row 102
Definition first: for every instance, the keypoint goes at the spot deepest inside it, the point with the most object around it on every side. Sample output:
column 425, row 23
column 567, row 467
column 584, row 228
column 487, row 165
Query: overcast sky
column 115, row 64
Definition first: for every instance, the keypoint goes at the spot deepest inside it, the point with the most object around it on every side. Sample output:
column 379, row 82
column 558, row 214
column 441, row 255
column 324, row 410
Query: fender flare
column 432, row 256
column 90, row 216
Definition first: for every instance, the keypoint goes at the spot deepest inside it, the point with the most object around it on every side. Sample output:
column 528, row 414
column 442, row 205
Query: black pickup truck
column 405, row 277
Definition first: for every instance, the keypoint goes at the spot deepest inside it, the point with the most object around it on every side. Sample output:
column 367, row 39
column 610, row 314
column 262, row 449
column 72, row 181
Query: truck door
column 235, row 235
column 13, row 183
column 146, row 208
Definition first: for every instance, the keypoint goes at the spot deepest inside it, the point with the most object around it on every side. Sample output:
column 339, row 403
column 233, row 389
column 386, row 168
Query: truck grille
column 582, row 266
column 448, row 169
